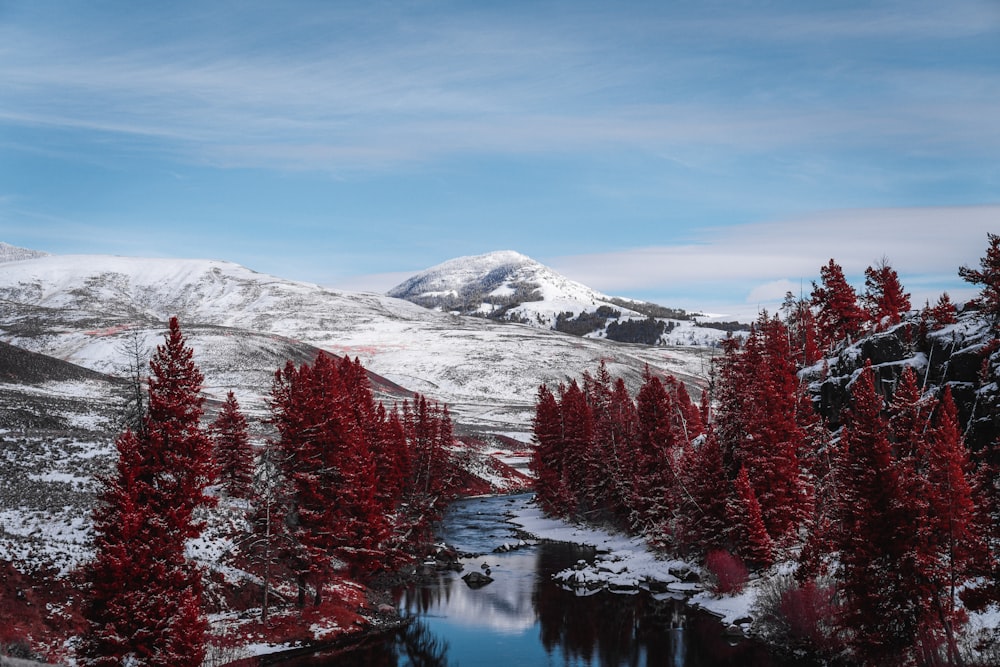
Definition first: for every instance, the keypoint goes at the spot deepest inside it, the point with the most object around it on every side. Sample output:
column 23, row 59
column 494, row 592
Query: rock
column 476, row 579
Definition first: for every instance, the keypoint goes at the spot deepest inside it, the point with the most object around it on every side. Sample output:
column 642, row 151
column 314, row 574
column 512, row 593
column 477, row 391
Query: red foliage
column 729, row 574
column 884, row 296
column 747, row 531
column 810, row 612
column 838, row 315
column 702, row 520
column 988, row 276
column 328, row 464
column 940, row 314
column 758, row 423
column 144, row 597
column 233, row 454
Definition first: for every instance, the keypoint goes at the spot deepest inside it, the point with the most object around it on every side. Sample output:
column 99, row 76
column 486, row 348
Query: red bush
column 809, row 612
column 728, row 572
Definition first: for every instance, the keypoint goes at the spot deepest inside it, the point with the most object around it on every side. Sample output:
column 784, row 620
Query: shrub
column 801, row 616
column 728, row 573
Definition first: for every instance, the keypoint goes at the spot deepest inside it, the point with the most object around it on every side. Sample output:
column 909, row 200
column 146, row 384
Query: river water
column 523, row 618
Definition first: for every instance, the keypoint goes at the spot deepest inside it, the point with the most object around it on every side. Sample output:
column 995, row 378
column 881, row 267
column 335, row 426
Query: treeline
column 346, row 486
column 645, row 331
column 892, row 524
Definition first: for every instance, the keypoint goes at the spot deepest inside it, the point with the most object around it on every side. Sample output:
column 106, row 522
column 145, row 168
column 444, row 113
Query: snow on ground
column 624, row 564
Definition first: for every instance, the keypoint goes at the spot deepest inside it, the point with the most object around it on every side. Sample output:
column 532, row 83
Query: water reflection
column 525, row 618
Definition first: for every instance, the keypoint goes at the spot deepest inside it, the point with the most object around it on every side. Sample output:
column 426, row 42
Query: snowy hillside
column 508, row 286
column 242, row 324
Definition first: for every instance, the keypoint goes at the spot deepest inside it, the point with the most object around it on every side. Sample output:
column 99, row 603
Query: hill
column 243, row 324
column 511, row 287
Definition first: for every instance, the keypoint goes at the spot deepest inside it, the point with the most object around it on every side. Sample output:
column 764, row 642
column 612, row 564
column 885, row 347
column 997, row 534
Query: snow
column 238, row 320
column 624, row 565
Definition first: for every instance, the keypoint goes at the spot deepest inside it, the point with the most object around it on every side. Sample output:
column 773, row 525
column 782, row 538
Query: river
column 523, row 618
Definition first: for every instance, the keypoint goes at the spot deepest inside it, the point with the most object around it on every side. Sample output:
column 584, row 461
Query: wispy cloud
column 424, row 88
column 925, row 246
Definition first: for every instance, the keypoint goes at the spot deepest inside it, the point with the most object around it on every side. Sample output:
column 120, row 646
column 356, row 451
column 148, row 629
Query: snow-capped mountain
column 509, row 286
column 483, row 283
column 243, row 325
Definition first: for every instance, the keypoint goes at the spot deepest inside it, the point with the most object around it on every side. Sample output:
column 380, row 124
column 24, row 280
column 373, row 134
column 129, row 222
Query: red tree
column 702, row 493
column 326, row 459
column 429, row 437
column 144, row 596
column 547, row 462
column 988, row 275
column 233, row 454
column 746, row 524
column 838, row 315
column 953, row 544
column 884, row 296
column 657, row 449
column 758, row 423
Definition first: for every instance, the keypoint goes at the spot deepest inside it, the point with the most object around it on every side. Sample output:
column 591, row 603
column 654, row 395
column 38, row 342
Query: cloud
column 761, row 261
column 421, row 88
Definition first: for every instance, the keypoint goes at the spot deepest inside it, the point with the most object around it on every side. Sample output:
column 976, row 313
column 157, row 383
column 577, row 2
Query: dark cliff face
column 963, row 356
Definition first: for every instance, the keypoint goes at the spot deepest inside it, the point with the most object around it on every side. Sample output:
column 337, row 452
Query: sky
column 708, row 155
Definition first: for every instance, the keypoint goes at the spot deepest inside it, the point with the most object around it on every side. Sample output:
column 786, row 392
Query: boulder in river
column 476, row 579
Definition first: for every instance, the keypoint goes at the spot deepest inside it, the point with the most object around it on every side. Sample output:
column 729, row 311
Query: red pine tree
column 884, row 296
column 547, row 462
column 233, row 454
column 940, row 314
column 702, row 495
column 953, row 545
column 838, row 316
column 657, row 449
column 746, row 524
column 758, row 423
column 879, row 509
column 328, row 463
column 988, row 275
column 144, row 596
column 578, row 432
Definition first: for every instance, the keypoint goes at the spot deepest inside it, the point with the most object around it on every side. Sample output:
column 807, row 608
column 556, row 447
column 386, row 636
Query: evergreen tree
column 954, row 545
column 657, row 449
column 746, row 524
column 578, row 432
column 233, row 454
column 428, row 430
column 334, row 512
column 988, row 276
column 879, row 510
column 547, row 463
column 801, row 330
column 940, row 314
column 757, row 420
column 144, row 597
column 702, row 496
column 884, row 296
column 838, row 315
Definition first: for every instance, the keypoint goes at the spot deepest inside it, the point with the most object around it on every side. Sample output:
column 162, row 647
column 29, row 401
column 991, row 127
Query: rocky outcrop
column 963, row 356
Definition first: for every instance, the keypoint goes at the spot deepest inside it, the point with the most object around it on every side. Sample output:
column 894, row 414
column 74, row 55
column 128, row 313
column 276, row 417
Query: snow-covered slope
column 508, row 286
column 493, row 278
column 84, row 309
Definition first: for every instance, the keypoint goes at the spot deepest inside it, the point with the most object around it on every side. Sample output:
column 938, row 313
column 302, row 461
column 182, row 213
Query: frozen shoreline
column 625, row 564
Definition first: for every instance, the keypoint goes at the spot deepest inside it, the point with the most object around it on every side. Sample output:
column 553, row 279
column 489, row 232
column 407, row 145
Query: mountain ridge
column 81, row 308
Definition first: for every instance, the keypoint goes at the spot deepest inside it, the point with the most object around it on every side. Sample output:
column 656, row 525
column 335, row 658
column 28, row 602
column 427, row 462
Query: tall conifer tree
column 144, row 596
column 233, row 453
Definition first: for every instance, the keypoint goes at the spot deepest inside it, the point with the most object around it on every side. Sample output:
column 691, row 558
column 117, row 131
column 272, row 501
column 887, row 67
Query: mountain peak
column 489, row 281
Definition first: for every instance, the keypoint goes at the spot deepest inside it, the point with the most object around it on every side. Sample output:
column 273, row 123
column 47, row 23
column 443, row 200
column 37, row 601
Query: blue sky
column 698, row 154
